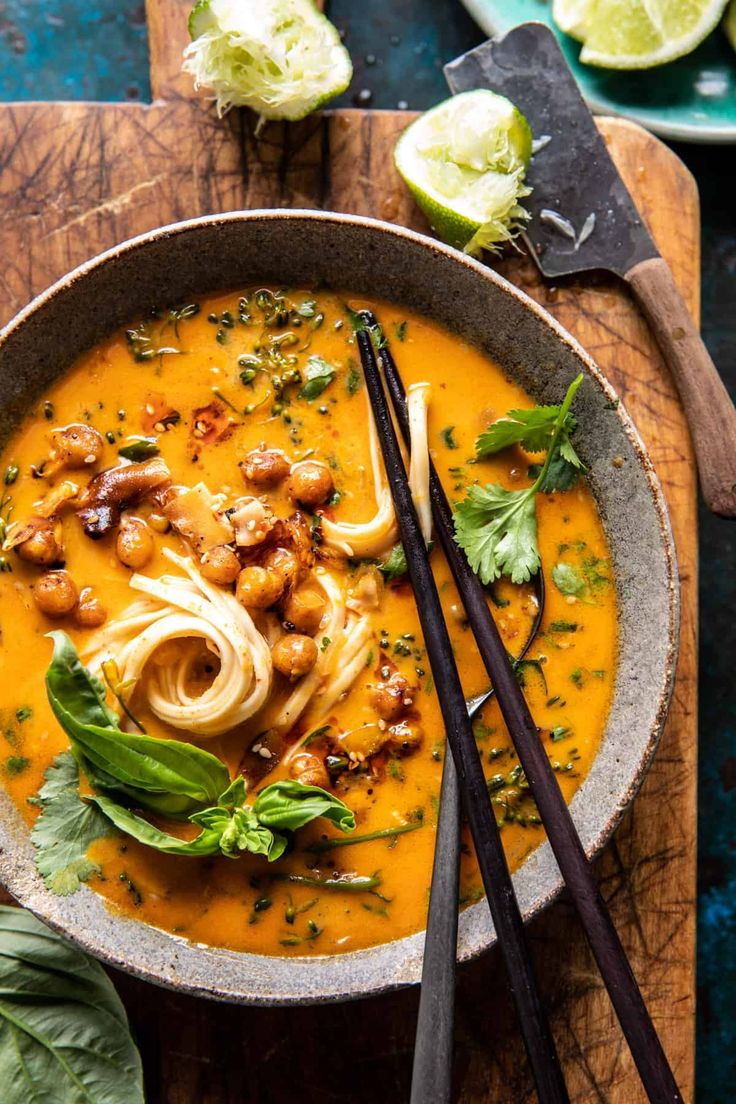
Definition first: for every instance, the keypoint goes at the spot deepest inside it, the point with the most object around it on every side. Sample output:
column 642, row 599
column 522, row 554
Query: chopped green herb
column 317, row 734
column 559, row 733
column 143, row 448
column 394, row 566
column 23, row 714
column 447, row 437
column 319, row 846
column 16, row 764
column 400, row 330
column 319, row 375
column 568, row 579
column 563, row 627
column 11, row 474
column 354, row 378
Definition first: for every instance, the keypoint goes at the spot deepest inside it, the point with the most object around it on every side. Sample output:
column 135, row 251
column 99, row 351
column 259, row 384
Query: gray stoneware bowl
column 307, row 248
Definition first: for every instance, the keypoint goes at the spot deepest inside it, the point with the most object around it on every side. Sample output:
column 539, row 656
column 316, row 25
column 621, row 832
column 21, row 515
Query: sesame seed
column 265, row 753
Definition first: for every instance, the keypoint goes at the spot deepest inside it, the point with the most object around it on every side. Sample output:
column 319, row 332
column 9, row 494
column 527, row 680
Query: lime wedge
column 729, row 23
column 464, row 162
column 282, row 58
column 571, row 16
column 639, row 34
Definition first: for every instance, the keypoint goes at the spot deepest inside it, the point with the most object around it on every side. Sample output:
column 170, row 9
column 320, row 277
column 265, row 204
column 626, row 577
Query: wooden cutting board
column 77, row 178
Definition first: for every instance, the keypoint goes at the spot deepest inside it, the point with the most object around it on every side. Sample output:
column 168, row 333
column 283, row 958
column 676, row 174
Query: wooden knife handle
column 708, row 406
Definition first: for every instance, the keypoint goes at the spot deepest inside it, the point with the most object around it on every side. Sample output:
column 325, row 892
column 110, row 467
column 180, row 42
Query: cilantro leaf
column 534, row 430
column 394, row 566
column 568, row 579
column 320, row 374
column 497, row 530
column 66, row 828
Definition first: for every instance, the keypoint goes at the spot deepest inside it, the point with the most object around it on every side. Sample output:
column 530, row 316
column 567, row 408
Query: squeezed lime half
column 282, row 58
column 465, row 162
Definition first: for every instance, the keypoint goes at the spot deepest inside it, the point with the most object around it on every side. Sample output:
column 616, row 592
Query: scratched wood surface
column 77, row 178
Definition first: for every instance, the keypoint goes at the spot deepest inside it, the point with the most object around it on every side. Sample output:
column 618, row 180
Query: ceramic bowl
column 307, row 248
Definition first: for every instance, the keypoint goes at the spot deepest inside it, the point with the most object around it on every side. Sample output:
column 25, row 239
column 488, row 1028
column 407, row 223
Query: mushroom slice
column 252, row 520
column 52, row 503
column 114, row 490
column 192, row 511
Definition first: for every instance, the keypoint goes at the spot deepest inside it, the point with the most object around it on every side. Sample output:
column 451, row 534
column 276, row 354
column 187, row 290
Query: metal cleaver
column 584, row 218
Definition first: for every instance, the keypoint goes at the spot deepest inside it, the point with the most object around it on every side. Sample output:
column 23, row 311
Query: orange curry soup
column 217, row 396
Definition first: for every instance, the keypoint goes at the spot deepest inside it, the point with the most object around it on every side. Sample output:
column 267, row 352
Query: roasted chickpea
column 310, row 483
column 76, row 446
column 56, row 593
column 259, row 587
column 404, row 737
column 391, row 698
column 310, row 770
column 265, row 467
column 284, row 563
column 39, row 542
column 294, row 655
column 134, row 545
column 304, row 609
column 90, row 612
column 220, row 565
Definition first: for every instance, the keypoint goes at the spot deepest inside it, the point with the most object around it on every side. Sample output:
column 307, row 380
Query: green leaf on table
column 319, row 374
column 64, row 1036
column 291, row 805
column 65, row 829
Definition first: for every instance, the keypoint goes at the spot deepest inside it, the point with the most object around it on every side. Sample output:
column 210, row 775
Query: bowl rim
column 184, row 960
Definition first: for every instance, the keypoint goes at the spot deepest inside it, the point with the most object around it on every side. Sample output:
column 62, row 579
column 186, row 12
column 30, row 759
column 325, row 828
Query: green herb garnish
column 394, row 566
column 141, row 449
column 497, row 528
column 319, row 375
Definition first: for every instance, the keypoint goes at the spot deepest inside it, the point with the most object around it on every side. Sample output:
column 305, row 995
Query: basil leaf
column 291, row 805
column 206, row 843
column 64, row 1034
column 143, row 448
column 65, row 829
column 223, row 832
column 168, row 776
column 320, row 375
column 241, row 831
column 72, row 684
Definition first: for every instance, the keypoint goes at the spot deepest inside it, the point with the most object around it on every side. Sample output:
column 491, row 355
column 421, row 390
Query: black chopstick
column 431, row 1076
column 504, row 908
column 628, row 1003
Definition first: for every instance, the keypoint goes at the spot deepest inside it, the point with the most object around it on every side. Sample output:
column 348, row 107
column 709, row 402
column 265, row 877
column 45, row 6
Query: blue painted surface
column 69, row 49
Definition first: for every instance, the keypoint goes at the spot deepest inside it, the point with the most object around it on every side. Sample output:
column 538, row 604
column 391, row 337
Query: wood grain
column 75, row 179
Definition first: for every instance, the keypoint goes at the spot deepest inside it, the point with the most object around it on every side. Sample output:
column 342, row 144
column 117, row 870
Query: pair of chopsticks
column 431, row 1074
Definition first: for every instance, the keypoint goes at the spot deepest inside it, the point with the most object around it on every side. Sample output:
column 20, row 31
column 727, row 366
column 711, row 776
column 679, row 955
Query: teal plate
column 689, row 100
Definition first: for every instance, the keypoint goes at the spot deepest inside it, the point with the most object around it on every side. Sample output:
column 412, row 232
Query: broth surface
column 248, row 904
